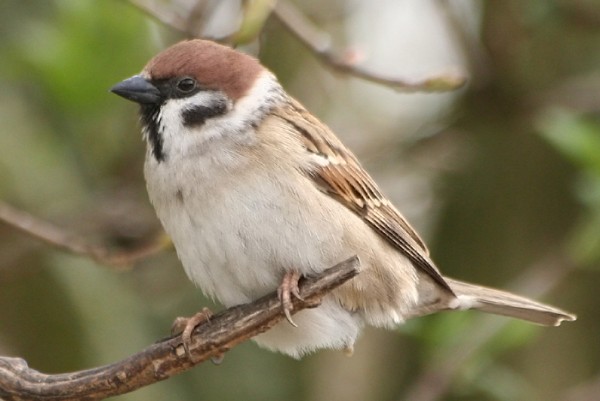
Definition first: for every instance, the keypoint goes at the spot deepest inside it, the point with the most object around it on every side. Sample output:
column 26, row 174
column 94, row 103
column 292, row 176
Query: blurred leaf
column 577, row 137
column 448, row 332
column 513, row 335
column 63, row 67
column 256, row 13
column 45, row 178
column 584, row 244
column 500, row 383
column 75, row 57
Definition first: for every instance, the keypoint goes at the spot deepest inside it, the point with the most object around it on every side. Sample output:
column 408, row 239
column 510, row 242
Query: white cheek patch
column 170, row 115
column 235, row 124
column 176, row 136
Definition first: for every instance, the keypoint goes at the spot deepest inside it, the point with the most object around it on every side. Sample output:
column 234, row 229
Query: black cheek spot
column 197, row 115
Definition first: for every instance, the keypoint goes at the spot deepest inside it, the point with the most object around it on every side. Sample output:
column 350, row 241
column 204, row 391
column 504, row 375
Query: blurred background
column 501, row 177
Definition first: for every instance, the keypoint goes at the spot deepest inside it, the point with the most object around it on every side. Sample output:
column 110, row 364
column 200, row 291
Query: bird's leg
column 186, row 326
column 289, row 287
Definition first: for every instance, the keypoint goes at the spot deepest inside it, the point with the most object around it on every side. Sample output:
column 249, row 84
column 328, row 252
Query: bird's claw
column 287, row 289
column 186, row 326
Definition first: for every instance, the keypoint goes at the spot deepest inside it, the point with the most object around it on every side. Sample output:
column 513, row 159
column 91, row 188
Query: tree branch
column 167, row 358
column 189, row 26
column 318, row 43
column 162, row 14
column 70, row 242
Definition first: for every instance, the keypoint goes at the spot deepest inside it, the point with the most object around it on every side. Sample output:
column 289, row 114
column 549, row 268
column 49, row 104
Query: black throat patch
column 150, row 117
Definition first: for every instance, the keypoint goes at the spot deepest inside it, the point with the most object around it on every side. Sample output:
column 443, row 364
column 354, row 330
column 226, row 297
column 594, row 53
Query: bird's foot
column 287, row 289
column 186, row 326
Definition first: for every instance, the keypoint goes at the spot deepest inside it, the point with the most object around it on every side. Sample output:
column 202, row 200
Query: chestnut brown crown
column 214, row 66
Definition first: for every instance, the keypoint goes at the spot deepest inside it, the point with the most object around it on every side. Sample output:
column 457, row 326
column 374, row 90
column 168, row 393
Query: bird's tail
column 490, row 300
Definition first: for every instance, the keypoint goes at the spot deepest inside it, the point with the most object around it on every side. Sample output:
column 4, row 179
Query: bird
column 255, row 192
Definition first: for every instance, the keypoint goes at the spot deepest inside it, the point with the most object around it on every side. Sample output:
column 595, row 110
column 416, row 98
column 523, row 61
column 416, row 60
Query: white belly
column 236, row 238
column 236, row 235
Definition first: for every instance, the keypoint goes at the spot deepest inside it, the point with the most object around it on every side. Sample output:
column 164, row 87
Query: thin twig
column 169, row 18
column 162, row 14
column 319, row 43
column 167, row 358
column 70, row 242
column 197, row 17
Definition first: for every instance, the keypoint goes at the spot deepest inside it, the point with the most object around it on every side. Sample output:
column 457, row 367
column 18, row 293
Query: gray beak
column 138, row 89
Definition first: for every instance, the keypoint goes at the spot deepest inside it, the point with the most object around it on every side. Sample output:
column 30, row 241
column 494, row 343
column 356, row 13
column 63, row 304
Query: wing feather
column 340, row 175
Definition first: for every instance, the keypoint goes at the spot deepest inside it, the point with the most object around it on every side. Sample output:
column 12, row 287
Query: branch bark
column 166, row 357
column 64, row 240
column 318, row 43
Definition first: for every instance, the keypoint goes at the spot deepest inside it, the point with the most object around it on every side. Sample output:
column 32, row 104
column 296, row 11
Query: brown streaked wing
column 342, row 177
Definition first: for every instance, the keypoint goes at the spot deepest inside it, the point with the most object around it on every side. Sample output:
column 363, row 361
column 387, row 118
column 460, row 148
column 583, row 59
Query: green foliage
column 577, row 137
column 256, row 13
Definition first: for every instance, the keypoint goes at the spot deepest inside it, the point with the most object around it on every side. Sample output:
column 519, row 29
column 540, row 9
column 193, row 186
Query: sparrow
column 255, row 192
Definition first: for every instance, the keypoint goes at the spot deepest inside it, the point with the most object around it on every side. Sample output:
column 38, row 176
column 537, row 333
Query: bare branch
column 163, row 15
column 318, row 43
column 70, row 242
column 197, row 17
column 190, row 26
column 167, row 358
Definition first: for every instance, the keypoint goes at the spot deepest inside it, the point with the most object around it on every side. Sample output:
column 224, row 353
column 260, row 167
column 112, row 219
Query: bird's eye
column 186, row 85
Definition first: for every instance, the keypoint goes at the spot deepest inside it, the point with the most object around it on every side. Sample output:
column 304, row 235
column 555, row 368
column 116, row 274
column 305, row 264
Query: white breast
column 236, row 234
column 238, row 229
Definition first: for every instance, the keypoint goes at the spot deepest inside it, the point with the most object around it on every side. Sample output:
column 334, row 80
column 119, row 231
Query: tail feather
column 471, row 296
